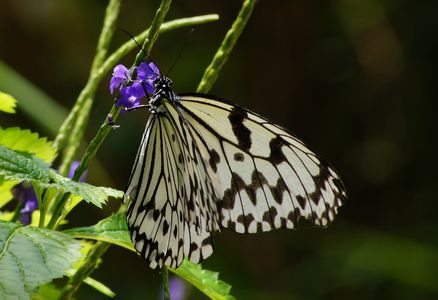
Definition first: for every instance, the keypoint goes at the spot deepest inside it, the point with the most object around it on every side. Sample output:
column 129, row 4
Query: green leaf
column 91, row 194
column 5, row 192
column 19, row 166
column 7, row 103
column 32, row 256
column 24, row 140
column 47, row 292
column 112, row 230
column 206, row 281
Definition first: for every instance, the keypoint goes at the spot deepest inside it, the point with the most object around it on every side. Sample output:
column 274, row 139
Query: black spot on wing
column 242, row 133
column 214, row 160
column 165, row 228
column 276, row 156
column 238, row 156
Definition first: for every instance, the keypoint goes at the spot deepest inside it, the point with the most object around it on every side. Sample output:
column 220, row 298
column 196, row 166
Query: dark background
column 356, row 80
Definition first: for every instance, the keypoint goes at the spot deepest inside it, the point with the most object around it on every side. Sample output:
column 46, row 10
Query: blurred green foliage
column 355, row 79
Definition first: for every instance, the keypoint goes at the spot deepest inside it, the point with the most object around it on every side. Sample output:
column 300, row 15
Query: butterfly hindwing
column 173, row 211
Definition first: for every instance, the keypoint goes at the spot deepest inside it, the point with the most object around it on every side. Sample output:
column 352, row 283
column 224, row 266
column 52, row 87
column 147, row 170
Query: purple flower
column 147, row 73
column 120, row 76
column 25, row 194
column 177, row 288
column 130, row 96
column 134, row 90
column 74, row 165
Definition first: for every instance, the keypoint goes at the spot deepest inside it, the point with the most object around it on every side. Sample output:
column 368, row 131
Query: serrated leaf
column 92, row 194
column 112, row 230
column 206, row 281
column 7, row 103
column 24, row 140
column 32, row 256
column 19, row 166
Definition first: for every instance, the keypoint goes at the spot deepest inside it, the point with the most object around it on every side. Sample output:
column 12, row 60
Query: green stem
column 75, row 138
column 100, row 248
column 104, row 129
column 153, row 32
column 149, row 41
column 89, row 265
column 212, row 72
column 109, row 63
column 166, row 290
column 90, row 88
column 80, row 120
column 165, row 27
column 205, row 85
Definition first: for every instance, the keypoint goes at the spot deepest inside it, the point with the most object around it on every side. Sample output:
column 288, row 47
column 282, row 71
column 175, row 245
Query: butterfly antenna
column 135, row 41
column 181, row 50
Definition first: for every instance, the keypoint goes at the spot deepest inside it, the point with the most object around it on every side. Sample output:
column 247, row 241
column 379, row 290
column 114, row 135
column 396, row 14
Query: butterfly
column 205, row 164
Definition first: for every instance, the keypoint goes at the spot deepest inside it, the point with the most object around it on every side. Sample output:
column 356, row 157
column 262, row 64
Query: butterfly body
column 205, row 164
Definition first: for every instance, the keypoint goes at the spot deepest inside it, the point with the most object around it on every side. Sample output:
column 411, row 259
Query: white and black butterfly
column 205, row 164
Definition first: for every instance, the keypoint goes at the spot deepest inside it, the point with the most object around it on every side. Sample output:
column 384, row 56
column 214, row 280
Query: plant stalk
column 220, row 58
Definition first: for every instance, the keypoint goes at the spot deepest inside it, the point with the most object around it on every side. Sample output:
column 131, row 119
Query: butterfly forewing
column 264, row 177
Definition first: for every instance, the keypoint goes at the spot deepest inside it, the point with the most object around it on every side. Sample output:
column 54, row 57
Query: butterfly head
column 162, row 90
column 162, row 83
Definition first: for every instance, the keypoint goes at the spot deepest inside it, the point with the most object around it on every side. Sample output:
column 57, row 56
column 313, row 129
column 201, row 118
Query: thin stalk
column 149, row 41
column 104, row 129
column 165, row 27
column 90, row 264
column 100, row 248
column 109, row 63
column 153, row 32
column 166, row 290
column 111, row 14
column 80, row 120
column 206, row 83
column 220, row 58
column 75, row 142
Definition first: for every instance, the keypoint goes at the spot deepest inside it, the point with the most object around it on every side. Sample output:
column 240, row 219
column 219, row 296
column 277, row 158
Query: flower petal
column 154, row 69
column 120, row 76
column 130, row 96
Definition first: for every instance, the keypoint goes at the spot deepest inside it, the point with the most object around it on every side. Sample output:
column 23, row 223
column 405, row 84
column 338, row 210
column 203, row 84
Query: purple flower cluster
column 132, row 90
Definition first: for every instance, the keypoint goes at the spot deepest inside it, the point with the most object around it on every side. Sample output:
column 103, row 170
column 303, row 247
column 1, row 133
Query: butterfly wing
column 264, row 177
column 172, row 213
